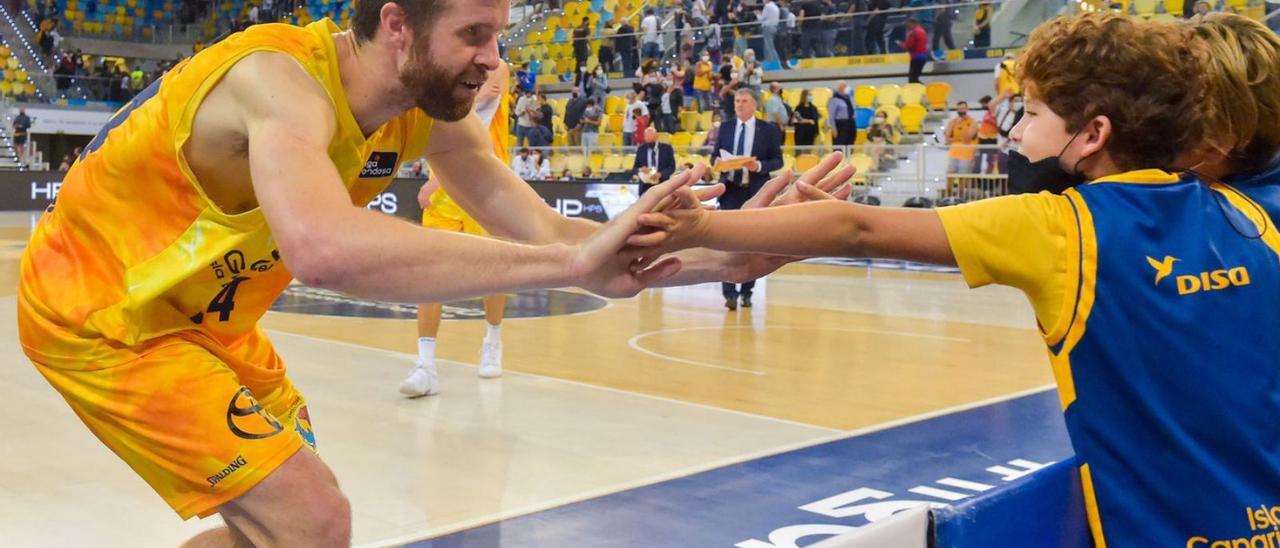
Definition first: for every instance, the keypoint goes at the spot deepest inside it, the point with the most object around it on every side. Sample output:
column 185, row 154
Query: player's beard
column 433, row 89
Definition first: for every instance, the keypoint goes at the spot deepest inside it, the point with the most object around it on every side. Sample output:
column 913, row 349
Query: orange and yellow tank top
column 133, row 250
column 500, row 137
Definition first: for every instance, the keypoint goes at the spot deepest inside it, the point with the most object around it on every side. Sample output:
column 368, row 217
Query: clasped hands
column 637, row 249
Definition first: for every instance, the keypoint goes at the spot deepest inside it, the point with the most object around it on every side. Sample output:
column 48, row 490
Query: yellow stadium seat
column 821, row 96
column 615, row 163
column 861, row 138
column 912, row 94
column 575, row 163
column 681, row 139
column 913, row 118
column 791, row 96
column 1173, row 6
column 887, row 95
column 689, row 121
column 29, row 88
column 789, row 139
column 864, row 96
column 1145, row 8
column 12, row 63
column 20, row 76
column 6, row 88
column 805, row 162
column 706, row 120
column 596, row 162
column 558, row 163
column 560, row 139
column 607, row 140
column 892, row 113
column 614, row 104
column 936, row 95
column 615, row 123
column 861, row 164
column 699, row 140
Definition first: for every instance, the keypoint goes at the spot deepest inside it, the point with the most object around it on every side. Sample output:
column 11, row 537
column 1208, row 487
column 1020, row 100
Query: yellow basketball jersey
column 500, row 137
column 133, row 250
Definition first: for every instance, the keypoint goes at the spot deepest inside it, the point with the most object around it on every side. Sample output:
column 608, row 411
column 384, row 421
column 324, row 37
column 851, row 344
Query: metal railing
column 894, row 173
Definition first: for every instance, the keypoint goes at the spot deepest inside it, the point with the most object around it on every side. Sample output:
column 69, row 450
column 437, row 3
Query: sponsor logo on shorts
column 230, row 469
column 247, row 420
column 380, row 164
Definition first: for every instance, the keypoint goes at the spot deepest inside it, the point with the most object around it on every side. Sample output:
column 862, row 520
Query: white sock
column 427, row 349
column 494, row 334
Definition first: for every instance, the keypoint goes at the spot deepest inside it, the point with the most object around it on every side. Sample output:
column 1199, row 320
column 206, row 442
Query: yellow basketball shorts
column 452, row 219
column 200, row 426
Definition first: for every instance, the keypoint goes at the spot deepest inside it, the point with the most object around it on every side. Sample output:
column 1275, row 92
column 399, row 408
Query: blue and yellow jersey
column 1156, row 301
column 134, row 251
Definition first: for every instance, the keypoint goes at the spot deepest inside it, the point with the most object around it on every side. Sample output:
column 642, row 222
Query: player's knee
column 329, row 519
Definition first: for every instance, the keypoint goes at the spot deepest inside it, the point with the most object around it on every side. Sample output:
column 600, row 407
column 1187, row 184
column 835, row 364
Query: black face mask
column 1027, row 177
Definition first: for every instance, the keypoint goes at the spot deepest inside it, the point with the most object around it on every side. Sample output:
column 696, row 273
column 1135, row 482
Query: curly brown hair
column 367, row 15
column 1243, row 76
column 1145, row 77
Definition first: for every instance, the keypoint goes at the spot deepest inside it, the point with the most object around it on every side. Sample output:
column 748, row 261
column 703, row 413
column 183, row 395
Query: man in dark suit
column 746, row 136
column 655, row 162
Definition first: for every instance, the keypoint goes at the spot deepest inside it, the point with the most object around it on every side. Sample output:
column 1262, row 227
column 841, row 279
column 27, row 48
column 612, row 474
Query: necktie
column 738, row 148
column 653, row 157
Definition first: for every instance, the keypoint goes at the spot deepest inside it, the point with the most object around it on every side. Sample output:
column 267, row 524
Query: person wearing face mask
column 988, row 136
column 807, row 117
column 840, row 114
column 879, row 136
column 702, row 74
column 1010, row 114
column 1154, row 293
column 962, row 136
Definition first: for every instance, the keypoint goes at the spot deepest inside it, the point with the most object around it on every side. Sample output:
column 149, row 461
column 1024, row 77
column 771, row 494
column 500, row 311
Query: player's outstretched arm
column 815, row 229
column 461, row 157
column 327, row 242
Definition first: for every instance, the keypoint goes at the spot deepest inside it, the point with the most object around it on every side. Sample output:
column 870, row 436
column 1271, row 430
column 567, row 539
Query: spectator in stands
column 917, row 46
column 21, row 126
column 807, row 117
column 632, row 115
column 626, row 46
column 875, row 39
column 135, row 80
column 126, row 83
column 541, row 166
column 988, row 136
column 546, row 115
column 961, row 134
column 679, row 73
column 526, row 117
column 840, row 114
column 720, row 12
column 702, row 73
column 605, row 57
column 1006, row 77
column 770, row 17
column 853, row 25
column 738, row 26
column 591, row 118
column 573, row 116
column 982, row 26
column 596, row 86
column 698, row 11
column 714, row 42
column 812, row 28
column 655, row 162
column 253, row 14
column 66, row 163
column 752, row 73
column 524, row 165
column 566, row 175
column 775, row 109
column 654, row 88
column 526, row 79
column 652, row 42
column 581, row 49
column 587, row 174
column 672, row 106
column 786, row 34
column 540, row 136
column 1201, row 9
column 880, row 135
column 942, row 19
column 713, row 134
column 830, row 27
column 744, row 137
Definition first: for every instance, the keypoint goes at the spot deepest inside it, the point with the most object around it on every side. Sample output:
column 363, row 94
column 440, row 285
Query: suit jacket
column 666, row 160
column 766, row 147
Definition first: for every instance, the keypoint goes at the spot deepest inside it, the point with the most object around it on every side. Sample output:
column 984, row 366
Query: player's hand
column 598, row 264
column 824, row 177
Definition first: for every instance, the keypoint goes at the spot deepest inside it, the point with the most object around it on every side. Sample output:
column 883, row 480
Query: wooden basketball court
column 595, row 400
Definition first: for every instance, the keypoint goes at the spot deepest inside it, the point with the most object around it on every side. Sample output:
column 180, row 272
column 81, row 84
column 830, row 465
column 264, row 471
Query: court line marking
column 411, row 357
column 692, row 470
column 634, row 342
